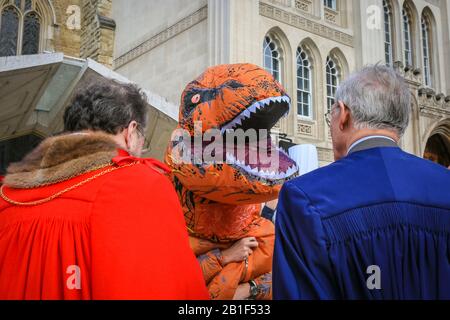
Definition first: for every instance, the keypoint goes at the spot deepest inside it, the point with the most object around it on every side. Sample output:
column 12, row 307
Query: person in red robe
column 84, row 217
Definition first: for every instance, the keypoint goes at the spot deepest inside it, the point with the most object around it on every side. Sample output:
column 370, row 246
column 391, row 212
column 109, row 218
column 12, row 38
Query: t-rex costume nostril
column 222, row 201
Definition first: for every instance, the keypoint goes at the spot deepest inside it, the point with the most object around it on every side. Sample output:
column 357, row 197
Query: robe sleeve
column 264, row 284
column 301, row 268
column 210, row 264
column 139, row 242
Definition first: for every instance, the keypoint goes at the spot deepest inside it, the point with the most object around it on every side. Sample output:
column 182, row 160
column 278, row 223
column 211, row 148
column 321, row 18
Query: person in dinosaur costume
column 222, row 200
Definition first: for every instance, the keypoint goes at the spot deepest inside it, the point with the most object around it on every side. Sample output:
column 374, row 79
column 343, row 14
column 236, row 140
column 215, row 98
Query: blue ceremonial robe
column 374, row 225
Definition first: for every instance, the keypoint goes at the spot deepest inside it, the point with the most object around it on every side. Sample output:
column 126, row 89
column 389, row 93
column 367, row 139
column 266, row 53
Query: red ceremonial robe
column 119, row 235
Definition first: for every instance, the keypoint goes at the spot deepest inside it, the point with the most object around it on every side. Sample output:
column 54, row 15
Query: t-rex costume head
column 219, row 198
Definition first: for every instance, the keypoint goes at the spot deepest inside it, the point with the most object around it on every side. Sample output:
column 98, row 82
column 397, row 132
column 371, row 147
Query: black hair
column 106, row 105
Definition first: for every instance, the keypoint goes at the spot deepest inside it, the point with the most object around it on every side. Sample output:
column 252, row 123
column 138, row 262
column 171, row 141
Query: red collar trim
column 124, row 158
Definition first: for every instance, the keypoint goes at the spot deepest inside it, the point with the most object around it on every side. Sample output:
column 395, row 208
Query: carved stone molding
column 325, row 154
column 432, row 104
column 303, row 23
column 332, row 16
column 163, row 36
column 412, row 75
column 304, row 129
column 283, row 3
column 106, row 22
column 304, row 5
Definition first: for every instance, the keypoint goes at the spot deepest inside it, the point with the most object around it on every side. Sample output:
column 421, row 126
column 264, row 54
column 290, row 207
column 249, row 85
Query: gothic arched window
column 272, row 57
column 304, row 84
column 31, row 28
column 332, row 73
column 20, row 28
column 9, row 31
column 388, row 44
column 407, row 37
column 426, row 45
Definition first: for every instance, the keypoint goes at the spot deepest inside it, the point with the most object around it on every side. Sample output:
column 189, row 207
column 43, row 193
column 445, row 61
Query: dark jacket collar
column 372, row 142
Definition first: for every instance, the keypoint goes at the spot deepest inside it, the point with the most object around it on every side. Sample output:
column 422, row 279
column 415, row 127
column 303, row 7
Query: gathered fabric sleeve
column 264, row 284
column 211, row 264
column 301, row 267
column 139, row 242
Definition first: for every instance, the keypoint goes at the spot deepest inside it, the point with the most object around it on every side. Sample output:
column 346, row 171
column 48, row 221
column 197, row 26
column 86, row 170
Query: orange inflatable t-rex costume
column 222, row 200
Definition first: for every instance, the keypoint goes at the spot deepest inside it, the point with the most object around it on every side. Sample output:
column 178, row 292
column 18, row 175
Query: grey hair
column 378, row 98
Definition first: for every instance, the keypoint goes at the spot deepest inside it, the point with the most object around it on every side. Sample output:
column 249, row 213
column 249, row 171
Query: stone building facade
column 44, row 51
column 309, row 45
column 44, row 45
column 77, row 28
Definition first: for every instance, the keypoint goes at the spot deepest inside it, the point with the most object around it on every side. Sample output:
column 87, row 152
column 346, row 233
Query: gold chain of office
column 58, row 194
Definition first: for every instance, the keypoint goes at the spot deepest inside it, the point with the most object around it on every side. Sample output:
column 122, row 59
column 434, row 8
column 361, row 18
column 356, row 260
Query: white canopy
column 35, row 89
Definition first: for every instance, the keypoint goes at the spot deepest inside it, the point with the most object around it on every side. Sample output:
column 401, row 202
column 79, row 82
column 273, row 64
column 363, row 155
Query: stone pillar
column 410, row 142
column 368, row 14
column 246, row 43
column 446, row 33
column 219, row 22
column 233, row 31
column 97, row 37
column 65, row 40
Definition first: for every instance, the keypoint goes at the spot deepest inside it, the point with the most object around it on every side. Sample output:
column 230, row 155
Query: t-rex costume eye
column 196, row 98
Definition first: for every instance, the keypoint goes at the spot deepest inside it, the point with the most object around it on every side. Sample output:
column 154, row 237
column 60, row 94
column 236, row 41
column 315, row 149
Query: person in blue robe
column 375, row 224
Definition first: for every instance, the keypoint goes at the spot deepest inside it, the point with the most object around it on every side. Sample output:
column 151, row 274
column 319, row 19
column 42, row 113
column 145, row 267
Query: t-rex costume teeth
column 221, row 201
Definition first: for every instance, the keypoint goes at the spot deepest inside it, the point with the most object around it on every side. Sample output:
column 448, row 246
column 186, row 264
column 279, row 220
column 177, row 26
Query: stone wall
column 98, row 28
column 94, row 38
column 64, row 39
column 170, row 51
column 179, row 40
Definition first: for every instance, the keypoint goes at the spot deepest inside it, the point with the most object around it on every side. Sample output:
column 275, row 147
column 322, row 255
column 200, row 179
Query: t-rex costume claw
column 221, row 202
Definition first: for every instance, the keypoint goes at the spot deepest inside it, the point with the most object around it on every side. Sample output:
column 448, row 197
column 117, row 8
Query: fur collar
column 60, row 158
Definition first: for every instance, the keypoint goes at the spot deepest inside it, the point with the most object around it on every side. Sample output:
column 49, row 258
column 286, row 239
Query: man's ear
column 128, row 132
column 344, row 116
